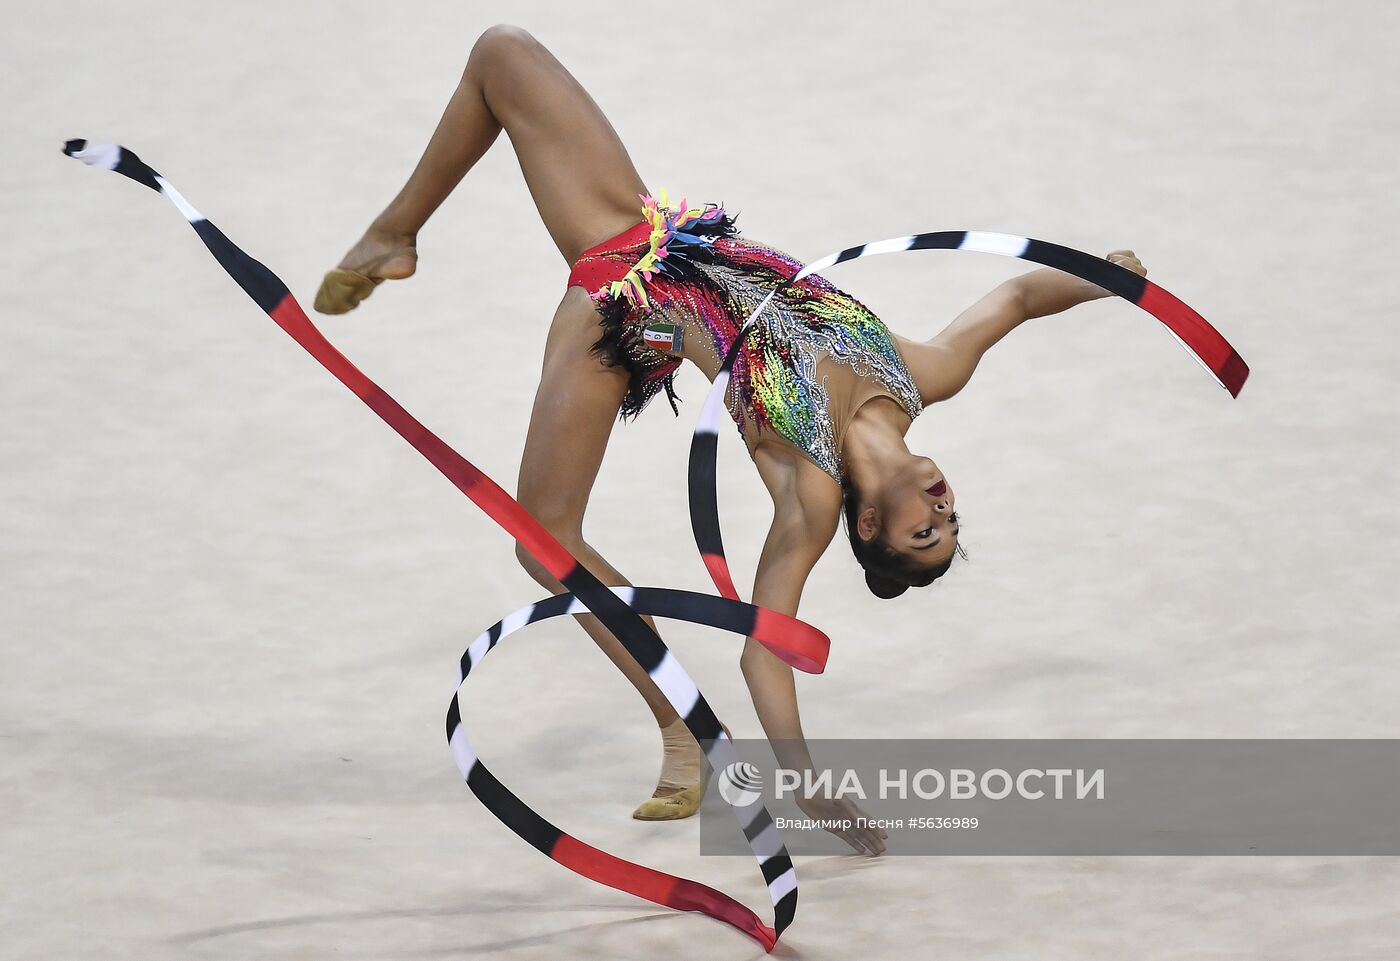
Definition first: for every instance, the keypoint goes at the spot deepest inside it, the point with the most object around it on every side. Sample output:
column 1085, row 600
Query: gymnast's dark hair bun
column 886, row 588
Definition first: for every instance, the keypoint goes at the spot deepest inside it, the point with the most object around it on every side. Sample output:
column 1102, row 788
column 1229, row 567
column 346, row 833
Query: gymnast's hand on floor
column 842, row 818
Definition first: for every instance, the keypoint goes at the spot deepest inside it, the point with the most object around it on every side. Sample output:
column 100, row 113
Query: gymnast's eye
column 953, row 518
column 924, row 534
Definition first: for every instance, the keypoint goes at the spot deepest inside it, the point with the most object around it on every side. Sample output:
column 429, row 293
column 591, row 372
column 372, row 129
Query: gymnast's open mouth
column 939, row 489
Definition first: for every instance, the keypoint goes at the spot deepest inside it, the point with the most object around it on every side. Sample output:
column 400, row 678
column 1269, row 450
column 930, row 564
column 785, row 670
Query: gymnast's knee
column 502, row 42
column 533, row 567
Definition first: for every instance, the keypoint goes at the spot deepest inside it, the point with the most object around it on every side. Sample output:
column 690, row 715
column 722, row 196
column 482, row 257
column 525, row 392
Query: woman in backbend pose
column 822, row 391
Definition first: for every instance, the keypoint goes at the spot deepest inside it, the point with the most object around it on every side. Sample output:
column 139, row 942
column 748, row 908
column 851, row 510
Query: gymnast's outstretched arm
column 806, row 508
column 943, row 366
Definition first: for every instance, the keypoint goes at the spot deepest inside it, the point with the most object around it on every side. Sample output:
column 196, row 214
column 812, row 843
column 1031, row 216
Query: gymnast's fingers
column 858, row 832
column 1128, row 260
column 872, row 842
column 854, row 839
column 873, row 839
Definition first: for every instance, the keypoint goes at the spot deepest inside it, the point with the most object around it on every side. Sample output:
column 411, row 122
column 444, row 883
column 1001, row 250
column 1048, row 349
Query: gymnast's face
column 916, row 514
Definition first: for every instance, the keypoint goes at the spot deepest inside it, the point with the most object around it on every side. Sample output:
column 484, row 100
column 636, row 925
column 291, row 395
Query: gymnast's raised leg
column 578, row 172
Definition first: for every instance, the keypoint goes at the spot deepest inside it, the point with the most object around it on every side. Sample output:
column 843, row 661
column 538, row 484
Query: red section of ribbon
column 659, row 887
column 291, row 318
column 802, row 645
column 1196, row 333
column 719, row 573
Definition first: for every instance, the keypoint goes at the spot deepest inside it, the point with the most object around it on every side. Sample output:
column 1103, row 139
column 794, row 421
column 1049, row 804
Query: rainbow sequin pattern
column 695, row 270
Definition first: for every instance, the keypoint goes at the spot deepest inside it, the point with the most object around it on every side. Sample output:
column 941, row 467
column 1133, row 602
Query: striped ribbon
column 621, row 609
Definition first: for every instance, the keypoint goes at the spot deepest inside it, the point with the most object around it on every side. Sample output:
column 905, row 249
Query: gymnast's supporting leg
column 573, row 416
column 578, row 172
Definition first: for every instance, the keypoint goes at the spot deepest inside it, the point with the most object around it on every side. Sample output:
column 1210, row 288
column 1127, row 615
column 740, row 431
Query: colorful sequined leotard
column 689, row 267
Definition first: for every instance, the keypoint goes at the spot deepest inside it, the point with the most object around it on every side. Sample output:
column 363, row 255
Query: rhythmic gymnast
column 822, row 392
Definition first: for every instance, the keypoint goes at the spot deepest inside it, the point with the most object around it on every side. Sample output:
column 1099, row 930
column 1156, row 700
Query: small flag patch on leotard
column 662, row 336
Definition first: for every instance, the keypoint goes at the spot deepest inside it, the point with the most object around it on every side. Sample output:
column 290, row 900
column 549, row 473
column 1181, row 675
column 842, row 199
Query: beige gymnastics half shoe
column 342, row 289
column 682, row 764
